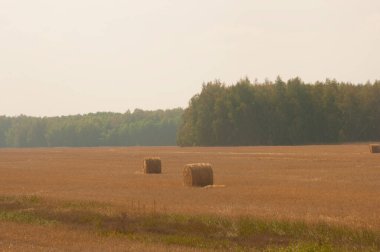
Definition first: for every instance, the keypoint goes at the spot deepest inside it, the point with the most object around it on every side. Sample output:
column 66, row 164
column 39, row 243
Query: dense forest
column 100, row 129
column 269, row 113
column 281, row 113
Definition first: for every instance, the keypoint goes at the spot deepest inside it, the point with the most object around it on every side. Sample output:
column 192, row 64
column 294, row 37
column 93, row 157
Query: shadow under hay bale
column 198, row 175
column 152, row 165
column 214, row 186
column 374, row 148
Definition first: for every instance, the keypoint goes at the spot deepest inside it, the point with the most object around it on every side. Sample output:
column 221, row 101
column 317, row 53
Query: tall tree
column 281, row 113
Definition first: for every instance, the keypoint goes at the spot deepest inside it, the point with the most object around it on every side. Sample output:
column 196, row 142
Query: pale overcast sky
column 78, row 56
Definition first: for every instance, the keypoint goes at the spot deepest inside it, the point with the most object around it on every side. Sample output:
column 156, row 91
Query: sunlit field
column 272, row 197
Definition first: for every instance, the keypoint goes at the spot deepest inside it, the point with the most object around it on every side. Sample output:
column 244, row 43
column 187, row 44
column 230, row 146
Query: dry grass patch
column 189, row 231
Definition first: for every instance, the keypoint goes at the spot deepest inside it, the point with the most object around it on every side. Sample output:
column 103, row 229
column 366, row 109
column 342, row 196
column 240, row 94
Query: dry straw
column 152, row 165
column 200, row 174
column 374, row 148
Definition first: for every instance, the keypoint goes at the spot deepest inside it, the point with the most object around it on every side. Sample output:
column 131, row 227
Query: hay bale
column 198, row 175
column 152, row 165
column 374, row 148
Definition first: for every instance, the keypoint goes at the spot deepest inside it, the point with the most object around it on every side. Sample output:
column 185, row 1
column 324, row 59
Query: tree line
column 281, row 113
column 96, row 129
column 246, row 113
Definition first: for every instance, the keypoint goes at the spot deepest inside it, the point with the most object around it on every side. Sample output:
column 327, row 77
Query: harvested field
column 338, row 185
column 333, row 183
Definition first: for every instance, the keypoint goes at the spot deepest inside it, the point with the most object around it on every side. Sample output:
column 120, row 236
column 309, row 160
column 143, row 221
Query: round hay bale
column 152, row 165
column 374, row 148
column 200, row 174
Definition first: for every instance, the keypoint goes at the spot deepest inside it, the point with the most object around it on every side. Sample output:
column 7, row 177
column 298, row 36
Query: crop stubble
column 336, row 184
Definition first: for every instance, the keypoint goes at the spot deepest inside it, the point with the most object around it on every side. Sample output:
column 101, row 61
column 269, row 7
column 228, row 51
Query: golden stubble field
column 338, row 184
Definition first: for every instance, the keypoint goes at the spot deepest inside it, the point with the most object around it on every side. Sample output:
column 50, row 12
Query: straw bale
column 374, row 148
column 152, row 165
column 199, row 174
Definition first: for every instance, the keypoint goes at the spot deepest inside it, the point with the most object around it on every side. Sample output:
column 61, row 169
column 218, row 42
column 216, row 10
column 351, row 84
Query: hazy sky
column 78, row 56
